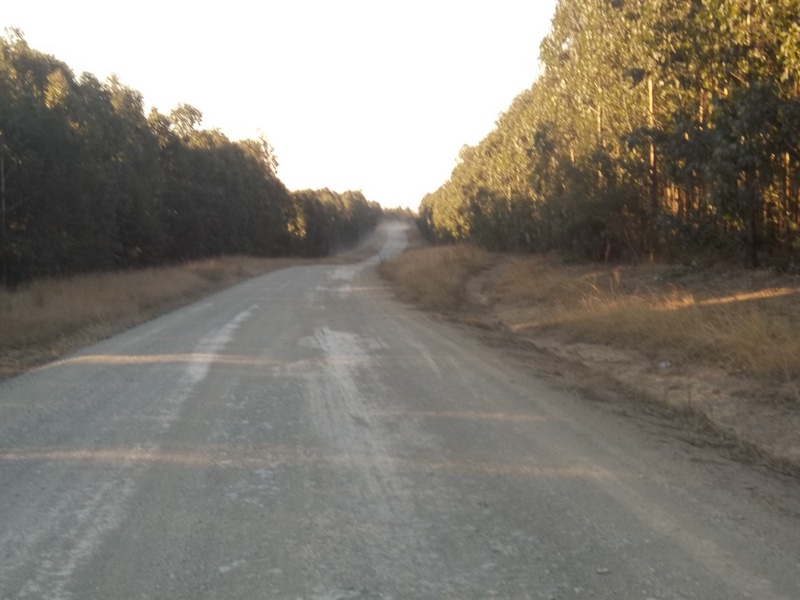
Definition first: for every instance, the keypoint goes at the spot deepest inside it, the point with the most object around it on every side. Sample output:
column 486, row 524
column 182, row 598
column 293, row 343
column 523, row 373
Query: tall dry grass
column 436, row 277
column 745, row 321
column 723, row 319
column 46, row 318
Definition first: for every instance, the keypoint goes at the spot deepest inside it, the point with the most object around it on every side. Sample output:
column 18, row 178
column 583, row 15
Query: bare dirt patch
column 717, row 351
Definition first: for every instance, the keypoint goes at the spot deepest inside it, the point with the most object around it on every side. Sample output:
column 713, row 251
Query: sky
column 377, row 95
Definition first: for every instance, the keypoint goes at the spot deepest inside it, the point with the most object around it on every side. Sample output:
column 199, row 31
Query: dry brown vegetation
column 435, row 278
column 720, row 347
column 742, row 320
column 47, row 318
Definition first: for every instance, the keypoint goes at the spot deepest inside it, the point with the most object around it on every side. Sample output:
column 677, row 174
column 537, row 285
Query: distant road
column 304, row 435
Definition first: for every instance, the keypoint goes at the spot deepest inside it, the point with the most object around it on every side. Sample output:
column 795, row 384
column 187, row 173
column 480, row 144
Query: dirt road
column 303, row 435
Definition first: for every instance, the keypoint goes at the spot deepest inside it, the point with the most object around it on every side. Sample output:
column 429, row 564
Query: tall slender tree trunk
column 600, row 143
column 755, row 202
column 701, row 112
column 651, row 121
column 787, row 190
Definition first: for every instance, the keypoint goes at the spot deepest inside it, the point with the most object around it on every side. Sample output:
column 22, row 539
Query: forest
column 90, row 182
column 657, row 129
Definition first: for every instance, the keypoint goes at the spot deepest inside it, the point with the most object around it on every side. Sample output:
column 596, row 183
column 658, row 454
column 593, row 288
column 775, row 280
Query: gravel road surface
column 305, row 436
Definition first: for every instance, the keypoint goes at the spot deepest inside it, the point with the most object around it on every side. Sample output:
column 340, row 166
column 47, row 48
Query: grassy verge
column 744, row 321
column 436, row 277
column 48, row 318
column 715, row 351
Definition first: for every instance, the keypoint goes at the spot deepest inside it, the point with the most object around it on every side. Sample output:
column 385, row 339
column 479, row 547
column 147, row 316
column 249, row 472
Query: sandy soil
column 753, row 419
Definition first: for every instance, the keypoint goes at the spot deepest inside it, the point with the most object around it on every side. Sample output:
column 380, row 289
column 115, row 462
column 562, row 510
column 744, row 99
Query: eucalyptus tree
column 657, row 126
column 40, row 146
column 327, row 221
column 590, row 105
column 138, row 184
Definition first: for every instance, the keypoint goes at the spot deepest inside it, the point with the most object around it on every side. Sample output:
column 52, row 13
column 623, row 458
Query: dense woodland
column 658, row 129
column 88, row 181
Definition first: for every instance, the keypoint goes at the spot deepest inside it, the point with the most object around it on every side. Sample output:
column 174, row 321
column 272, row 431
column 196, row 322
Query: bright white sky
column 353, row 94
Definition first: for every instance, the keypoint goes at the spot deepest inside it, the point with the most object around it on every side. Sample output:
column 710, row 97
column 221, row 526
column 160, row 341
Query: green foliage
column 327, row 221
column 658, row 127
column 90, row 182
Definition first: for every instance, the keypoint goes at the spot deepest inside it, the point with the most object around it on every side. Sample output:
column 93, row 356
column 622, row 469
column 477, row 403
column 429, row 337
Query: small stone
column 602, row 571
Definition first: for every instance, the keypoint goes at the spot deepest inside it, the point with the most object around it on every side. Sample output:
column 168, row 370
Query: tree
column 88, row 182
column 657, row 128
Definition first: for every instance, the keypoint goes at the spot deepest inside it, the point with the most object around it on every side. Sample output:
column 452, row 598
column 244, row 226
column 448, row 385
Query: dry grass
column 719, row 349
column 436, row 277
column 754, row 337
column 50, row 317
column 744, row 321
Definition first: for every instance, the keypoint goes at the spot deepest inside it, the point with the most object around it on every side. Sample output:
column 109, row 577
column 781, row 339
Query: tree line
column 88, row 181
column 657, row 128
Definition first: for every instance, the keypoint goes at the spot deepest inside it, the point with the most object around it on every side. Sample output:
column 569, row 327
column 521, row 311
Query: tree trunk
column 651, row 120
column 787, row 182
column 755, row 203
